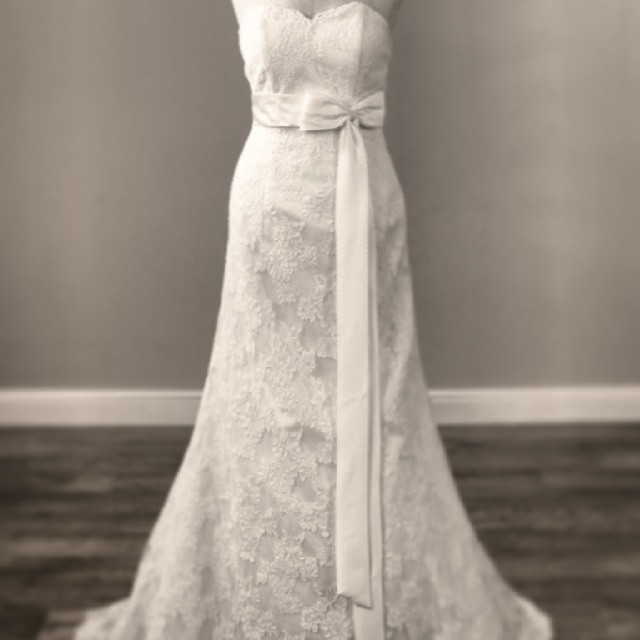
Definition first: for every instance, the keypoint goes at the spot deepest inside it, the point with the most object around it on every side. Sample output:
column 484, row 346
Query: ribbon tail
column 369, row 622
column 353, row 531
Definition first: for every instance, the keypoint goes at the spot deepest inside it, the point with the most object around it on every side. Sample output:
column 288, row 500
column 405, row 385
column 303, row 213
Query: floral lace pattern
column 243, row 548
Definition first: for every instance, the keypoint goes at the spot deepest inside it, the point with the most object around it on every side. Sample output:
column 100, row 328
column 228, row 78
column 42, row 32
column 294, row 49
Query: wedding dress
column 314, row 500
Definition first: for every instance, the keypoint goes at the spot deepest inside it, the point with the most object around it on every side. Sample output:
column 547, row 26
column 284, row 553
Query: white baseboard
column 98, row 407
column 529, row 405
column 158, row 407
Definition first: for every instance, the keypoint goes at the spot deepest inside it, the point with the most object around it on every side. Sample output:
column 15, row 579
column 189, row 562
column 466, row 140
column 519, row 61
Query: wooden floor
column 557, row 506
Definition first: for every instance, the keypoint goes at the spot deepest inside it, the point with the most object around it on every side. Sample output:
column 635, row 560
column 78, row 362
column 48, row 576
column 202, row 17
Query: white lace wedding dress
column 245, row 546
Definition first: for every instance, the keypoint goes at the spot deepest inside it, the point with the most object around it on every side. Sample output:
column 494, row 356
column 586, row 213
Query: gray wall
column 514, row 127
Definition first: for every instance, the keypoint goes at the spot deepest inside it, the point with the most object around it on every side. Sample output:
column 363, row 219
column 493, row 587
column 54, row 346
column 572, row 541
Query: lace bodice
column 344, row 50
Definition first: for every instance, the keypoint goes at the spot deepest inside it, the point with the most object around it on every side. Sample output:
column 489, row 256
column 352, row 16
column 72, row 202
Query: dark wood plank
column 556, row 506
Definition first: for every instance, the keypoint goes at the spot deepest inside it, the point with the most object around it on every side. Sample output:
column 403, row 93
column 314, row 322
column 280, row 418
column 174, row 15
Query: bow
column 326, row 111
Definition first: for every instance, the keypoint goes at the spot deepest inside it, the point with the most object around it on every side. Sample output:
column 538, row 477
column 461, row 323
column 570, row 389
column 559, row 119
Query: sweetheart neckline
column 316, row 16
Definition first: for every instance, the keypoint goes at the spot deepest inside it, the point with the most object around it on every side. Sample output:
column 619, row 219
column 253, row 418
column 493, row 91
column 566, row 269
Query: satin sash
column 358, row 518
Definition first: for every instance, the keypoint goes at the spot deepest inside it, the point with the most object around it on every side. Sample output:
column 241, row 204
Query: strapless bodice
column 344, row 50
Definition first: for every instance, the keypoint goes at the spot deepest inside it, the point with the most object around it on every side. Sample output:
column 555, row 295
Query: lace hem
column 99, row 623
